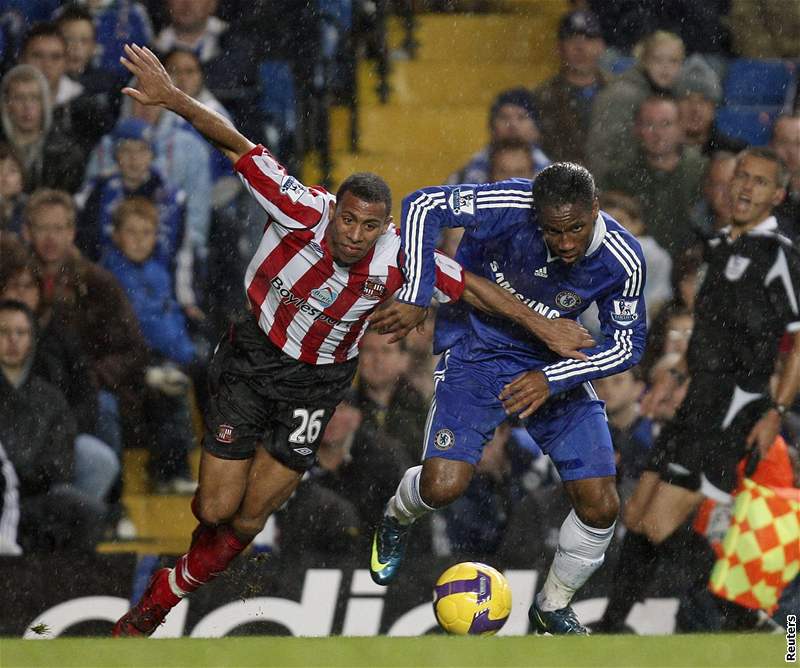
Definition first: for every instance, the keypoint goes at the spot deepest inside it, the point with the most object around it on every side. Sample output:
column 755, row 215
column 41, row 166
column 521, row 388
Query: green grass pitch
column 750, row 651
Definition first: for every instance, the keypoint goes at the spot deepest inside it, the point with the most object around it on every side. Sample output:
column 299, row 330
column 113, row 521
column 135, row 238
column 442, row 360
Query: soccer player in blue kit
column 546, row 242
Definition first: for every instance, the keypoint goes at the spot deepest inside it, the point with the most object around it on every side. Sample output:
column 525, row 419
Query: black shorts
column 706, row 438
column 260, row 394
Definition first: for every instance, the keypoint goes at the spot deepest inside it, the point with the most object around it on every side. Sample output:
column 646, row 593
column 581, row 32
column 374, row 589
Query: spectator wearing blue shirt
column 117, row 22
column 184, row 66
column 179, row 156
column 230, row 57
column 148, row 285
column 137, row 176
column 631, row 432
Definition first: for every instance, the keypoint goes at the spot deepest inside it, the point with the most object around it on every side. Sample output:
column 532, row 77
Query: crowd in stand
column 122, row 234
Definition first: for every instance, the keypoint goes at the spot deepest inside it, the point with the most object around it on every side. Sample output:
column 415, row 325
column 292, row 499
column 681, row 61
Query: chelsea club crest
column 568, row 300
column 444, row 439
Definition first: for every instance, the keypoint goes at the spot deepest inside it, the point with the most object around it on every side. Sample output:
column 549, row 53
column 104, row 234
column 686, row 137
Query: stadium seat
column 758, row 82
column 279, row 100
column 621, row 64
column 749, row 123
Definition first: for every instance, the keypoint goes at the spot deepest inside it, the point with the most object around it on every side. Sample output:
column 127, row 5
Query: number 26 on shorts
column 310, row 425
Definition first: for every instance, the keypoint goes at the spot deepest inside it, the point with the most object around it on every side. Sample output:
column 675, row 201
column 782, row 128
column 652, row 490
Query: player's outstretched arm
column 564, row 337
column 155, row 88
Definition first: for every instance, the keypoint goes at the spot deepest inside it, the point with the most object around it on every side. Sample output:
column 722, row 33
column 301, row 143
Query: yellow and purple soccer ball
column 471, row 599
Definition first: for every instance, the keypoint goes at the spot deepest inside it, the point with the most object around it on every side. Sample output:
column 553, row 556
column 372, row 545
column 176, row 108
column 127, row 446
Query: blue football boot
column 556, row 622
column 388, row 548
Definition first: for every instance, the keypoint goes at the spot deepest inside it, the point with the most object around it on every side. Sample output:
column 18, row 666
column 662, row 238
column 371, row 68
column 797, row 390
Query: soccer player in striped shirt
column 547, row 243
column 323, row 265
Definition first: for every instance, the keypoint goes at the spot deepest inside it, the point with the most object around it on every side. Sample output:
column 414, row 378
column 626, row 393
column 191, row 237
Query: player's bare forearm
column 789, row 377
column 397, row 318
column 213, row 126
column 155, row 88
column 564, row 337
column 763, row 433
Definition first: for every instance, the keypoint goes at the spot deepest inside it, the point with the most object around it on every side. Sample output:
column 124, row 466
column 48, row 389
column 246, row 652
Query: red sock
column 211, row 552
column 202, row 527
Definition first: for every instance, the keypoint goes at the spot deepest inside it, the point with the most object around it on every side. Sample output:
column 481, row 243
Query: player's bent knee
column 443, row 481
column 214, row 511
column 601, row 513
column 440, row 496
column 248, row 526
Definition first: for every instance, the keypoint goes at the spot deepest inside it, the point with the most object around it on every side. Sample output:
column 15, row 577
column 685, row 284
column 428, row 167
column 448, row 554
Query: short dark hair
column 14, row 305
column 517, row 97
column 7, row 153
column 16, row 259
column 616, row 199
column 766, row 153
column 368, row 187
column 564, row 183
column 654, row 98
column 75, row 12
column 43, row 29
column 181, row 50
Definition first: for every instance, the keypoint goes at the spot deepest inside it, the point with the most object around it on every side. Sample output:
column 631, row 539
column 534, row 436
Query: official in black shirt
column 748, row 299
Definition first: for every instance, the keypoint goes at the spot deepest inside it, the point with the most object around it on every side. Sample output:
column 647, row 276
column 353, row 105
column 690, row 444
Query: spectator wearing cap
column 137, row 176
column 565, row 101
column 180, row 156
column 698, row 92
column 49, row 158
column 513, row 115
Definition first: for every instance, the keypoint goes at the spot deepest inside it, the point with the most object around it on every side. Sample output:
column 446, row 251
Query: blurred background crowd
column 124, row 236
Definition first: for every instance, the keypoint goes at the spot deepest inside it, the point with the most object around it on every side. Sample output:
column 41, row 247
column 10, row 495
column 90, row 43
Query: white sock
column 407, row 505
column 581, row 551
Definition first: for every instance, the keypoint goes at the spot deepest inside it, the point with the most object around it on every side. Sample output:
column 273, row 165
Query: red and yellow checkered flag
column 761, row 550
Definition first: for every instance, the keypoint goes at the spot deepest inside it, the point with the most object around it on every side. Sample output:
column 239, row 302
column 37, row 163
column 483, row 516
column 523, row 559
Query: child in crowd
column 627, row 211
column 149, row 287
column 136, row 176
column 631, row 432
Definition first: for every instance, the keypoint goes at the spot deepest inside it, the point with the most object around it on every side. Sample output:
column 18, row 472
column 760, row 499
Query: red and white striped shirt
column 312, row 308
